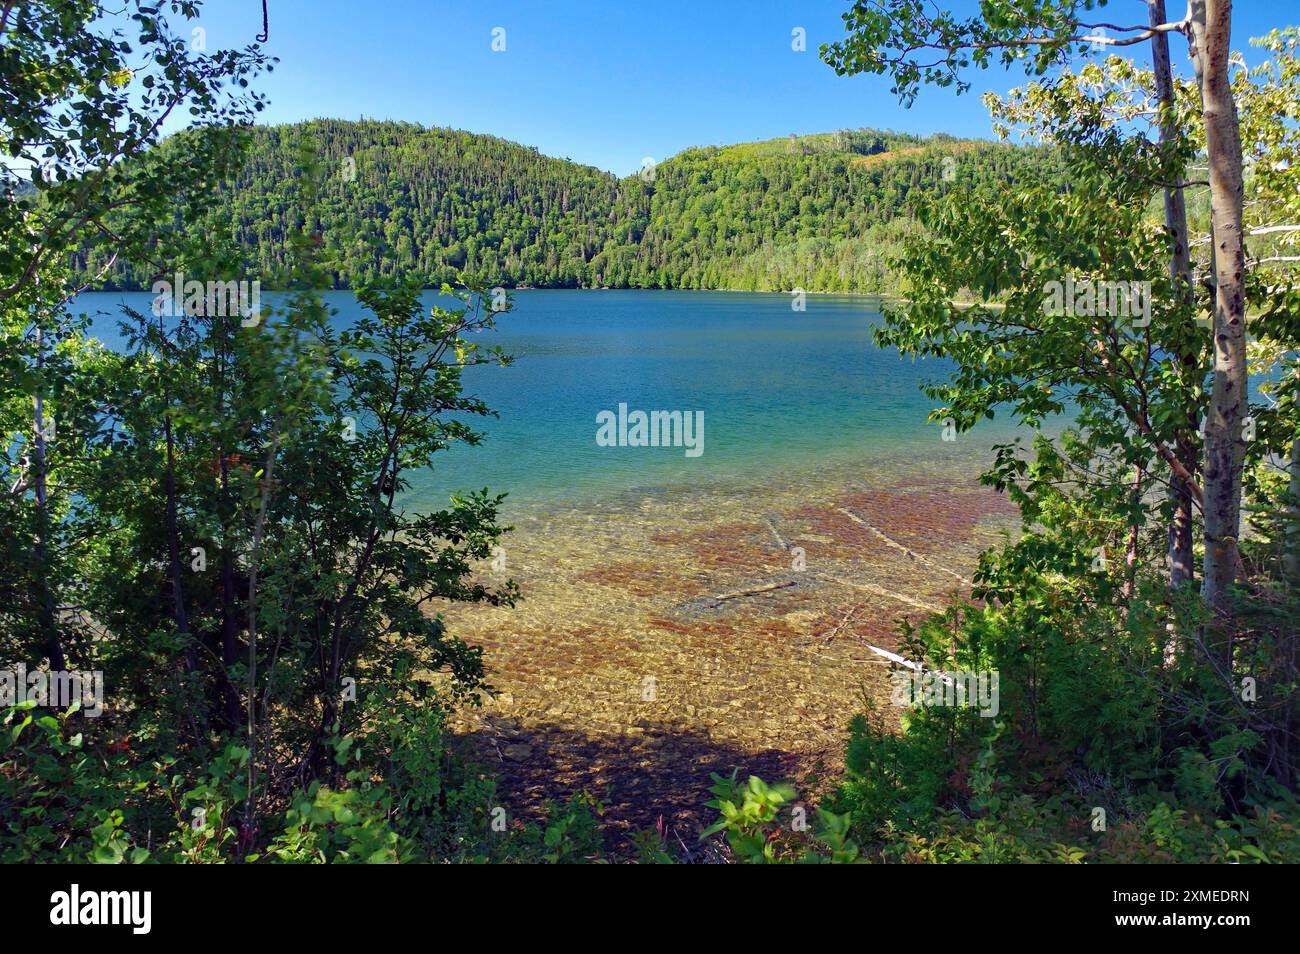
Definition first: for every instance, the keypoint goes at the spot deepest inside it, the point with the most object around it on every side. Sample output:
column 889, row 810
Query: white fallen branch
column 887, row 594
column 914, row 666
column 911, row 555
column 771, row 525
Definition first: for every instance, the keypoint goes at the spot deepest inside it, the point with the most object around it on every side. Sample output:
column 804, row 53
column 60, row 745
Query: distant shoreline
column 549, row 288
column 892, row 297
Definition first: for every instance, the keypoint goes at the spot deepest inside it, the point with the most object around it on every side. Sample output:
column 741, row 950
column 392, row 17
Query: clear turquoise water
column 784, row 393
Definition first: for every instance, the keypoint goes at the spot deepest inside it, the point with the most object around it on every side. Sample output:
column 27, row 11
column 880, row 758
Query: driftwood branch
column 721, row 598
column 890, row 541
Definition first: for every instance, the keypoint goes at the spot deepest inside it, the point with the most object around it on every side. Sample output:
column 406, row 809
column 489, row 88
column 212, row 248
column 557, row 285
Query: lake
column 782, row 393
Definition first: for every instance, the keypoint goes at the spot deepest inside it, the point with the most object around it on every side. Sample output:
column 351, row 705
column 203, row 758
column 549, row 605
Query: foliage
column 751, row 816
column 817, row 212
column 1132, row 726
column 1177, row 762
column 68, row 121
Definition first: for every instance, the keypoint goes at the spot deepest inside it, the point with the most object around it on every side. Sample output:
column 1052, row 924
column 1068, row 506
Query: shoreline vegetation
column 890, row 297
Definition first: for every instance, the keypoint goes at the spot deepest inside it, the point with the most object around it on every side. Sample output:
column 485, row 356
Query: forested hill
column 820, row 212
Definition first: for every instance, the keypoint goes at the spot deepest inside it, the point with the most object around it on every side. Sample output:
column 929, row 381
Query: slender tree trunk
column 249, row 833
column 1181, row 558
column 1131, row 548
column 229, row 624
column 180, row 611
column 49, row 632
column 231, row 716
column 1224, row 446
column 1291, row 559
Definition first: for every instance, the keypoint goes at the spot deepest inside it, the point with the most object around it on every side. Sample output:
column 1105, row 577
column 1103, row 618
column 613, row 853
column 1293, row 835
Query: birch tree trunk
column 1224, row 446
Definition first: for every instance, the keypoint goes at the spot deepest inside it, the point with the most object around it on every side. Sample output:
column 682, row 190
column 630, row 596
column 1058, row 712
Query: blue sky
column 607, row 82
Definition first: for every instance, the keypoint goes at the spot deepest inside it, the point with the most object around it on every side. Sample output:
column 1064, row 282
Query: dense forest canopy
column 821, row 212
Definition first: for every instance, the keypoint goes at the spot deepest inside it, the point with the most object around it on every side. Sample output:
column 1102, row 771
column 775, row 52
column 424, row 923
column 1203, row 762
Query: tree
column 80, row 100
column 916, row 44
column 1181, row 529
column 81, row 108
column 1109, row 338
column 1209, row 36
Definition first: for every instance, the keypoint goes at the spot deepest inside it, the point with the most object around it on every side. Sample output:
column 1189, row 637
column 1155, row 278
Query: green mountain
column 821, row 212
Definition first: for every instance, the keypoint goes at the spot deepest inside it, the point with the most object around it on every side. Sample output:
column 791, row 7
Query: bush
column 1103, row 749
